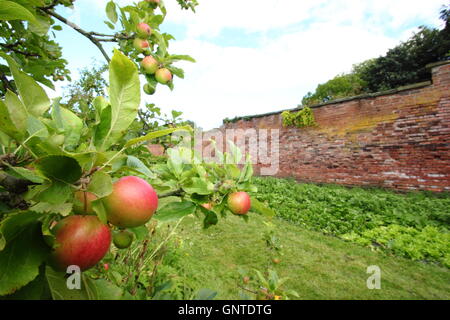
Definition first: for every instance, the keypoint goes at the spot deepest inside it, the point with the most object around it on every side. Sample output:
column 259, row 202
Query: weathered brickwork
column 397, row 140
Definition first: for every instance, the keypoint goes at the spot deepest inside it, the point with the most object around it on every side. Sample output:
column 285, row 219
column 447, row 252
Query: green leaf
column 101, row 289
column 111, row 12
column 8, row 120
column 177, row 71
column 13, row 225
column 36, row 128
column 57, row 193
column 58, row 286
column 205, row 294
column 104, row 126
column 138, row 165
column 40, row 25
column 13, row 11
column 210, row 219
column 35, row 290
column 33, row 96
column 68, row 123
column 259, row 207
column 101, row 184
column 247, row 171
column 61, row 168
column 140, row 232
column 99, row 209
column 175, row 211
column 199, row 186
column 21, row 258
column 156, row 134
column 28, row 174
column 124, row 92
column 43, row 207
column 110, row 25
column 17, row 112
column 236, row 154
column 177, row 57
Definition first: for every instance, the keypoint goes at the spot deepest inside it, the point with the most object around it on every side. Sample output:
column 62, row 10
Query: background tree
column 402, row 65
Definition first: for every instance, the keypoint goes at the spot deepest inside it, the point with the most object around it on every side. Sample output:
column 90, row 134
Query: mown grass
column 319, row 266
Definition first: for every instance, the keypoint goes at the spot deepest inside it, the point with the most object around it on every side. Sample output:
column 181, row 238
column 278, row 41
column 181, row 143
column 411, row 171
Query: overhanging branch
column 79, row 30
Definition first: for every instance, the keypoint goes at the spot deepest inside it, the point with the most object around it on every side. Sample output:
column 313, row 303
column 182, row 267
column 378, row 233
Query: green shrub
column 302, row 118
column 427, row 244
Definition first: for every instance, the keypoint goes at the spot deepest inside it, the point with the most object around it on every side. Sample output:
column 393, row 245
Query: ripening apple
column 57, row 139
column 122, row 239
column 149, row 64
column 148, row 89
column 140, row 44
column 163, row 75
column 207, row 206
column 239, row 202
column 131, row 203
column 83, row 202
column 143, row 30
column 80, row 240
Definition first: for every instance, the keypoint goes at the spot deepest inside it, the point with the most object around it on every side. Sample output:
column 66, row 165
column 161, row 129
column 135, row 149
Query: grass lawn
column 319, row 266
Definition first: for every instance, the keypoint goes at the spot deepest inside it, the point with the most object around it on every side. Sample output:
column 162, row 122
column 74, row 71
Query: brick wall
column 398, row 139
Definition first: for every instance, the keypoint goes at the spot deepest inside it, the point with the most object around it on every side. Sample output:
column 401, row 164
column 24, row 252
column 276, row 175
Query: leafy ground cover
column 413, row 225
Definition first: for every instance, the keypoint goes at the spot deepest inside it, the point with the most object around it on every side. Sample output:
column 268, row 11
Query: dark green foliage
column 37, row 54
column 406, row 63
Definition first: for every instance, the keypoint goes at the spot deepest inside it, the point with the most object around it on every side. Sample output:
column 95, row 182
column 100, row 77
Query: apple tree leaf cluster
column 62, row 176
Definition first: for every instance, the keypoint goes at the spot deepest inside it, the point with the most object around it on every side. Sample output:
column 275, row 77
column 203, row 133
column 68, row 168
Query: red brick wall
column 399, row 140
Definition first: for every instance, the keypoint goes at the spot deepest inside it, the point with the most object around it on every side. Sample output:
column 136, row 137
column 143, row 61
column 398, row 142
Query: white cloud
column 233, row 81
column 317, row 40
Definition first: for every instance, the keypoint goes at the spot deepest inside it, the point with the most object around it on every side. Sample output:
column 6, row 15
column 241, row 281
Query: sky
column 257, row 56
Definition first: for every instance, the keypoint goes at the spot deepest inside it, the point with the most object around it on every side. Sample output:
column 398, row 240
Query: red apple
column 140, row 44
column 163, row 75
column 80, row 240
column 132, row 202
column 149, row 64
column 83, row 202
column 239, row 202
column 143, row 30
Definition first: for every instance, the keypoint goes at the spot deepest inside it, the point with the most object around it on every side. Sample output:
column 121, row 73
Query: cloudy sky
column 257, row 56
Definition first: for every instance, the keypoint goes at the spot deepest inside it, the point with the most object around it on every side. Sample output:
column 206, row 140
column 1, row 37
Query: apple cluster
column 83, row 240
column 149, row 64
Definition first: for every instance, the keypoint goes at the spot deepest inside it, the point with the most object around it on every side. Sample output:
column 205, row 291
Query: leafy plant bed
column 413, row 225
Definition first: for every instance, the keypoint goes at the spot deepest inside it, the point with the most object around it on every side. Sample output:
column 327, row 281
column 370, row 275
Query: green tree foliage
column 345, row 85
column 51, row 151
column 406, row 63
column 91, row 84
column 402, row 65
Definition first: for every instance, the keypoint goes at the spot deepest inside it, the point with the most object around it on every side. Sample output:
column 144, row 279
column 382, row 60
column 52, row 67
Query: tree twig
column 78, row 29
column 6, row 83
